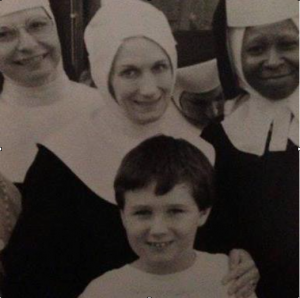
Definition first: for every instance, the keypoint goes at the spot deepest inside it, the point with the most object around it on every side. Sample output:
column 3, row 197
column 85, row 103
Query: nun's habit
column 30, row 114
column 257, row 160
column 70, row 231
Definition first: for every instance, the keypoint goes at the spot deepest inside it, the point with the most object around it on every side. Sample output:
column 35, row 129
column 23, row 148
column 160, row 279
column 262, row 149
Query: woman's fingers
column 240, row 262
column 243, row 276
column 245, row 284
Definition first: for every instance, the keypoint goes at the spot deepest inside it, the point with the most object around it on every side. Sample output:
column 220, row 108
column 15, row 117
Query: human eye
column 176, row 211
column 129, row 73
column 160, row 67
column 7, row 34
column 288, row 45
column 39, row 25
column 255, row 50
column 142, row 213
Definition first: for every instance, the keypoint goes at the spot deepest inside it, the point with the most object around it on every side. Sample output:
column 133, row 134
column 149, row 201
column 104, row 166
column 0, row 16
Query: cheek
column 166, row 81
column 251, row 65
column 293, row 59
column 187, row 228
column 5, row 58
column 124, row 91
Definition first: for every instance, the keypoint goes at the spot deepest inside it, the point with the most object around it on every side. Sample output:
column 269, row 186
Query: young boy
column 164, row 189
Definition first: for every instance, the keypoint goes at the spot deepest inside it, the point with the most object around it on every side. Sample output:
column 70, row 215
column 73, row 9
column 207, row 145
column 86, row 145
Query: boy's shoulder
column 211, row 267
column 107, row 284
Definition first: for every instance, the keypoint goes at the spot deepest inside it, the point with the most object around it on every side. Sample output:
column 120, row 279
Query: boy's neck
column 166, row 268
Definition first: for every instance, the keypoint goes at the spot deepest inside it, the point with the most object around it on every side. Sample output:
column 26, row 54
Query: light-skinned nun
column 70, row 231
column 37, row 97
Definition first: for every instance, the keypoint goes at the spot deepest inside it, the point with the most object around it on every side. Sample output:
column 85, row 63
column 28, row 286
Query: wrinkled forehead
column 21, row 16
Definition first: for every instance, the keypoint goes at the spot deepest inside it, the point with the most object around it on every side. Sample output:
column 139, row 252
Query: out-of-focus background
column 190, row 20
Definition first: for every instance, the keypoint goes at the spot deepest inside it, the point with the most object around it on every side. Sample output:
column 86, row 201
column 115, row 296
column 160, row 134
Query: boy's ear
column 203, row 216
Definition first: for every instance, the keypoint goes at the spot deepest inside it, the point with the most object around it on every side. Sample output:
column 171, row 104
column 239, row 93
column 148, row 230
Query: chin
column 148, row 119
column 276, row 95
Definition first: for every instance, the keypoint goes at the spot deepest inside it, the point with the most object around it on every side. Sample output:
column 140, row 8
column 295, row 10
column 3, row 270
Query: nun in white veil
column 70, row 230
column 37, row 97
column 257, row 143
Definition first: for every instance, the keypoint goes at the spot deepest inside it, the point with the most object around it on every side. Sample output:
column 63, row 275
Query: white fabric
column 29, row 115
column 246, row 13
column 12, row 6
column 201, row 280
column 250, row 121
column 111, row 26
column 198, row 78
column 94, row 147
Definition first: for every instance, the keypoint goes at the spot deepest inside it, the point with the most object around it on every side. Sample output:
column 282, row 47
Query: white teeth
column 159, row 245
column 33, row 60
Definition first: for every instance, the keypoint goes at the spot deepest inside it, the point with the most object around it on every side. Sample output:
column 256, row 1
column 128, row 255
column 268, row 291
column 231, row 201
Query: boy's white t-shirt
column 202, row 280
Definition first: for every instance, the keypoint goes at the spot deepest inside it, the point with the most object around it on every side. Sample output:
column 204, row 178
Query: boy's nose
column 158, row 226
column 26, row 41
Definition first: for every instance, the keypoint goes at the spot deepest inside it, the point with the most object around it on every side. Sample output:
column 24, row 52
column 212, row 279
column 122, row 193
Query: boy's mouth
column 160, row 244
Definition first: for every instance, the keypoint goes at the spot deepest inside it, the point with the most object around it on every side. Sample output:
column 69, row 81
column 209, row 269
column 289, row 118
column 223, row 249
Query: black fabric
column 65, row 237
column 227, row 76
column 258, row 211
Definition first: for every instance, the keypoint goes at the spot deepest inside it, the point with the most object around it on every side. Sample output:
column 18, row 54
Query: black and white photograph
column 149, row 149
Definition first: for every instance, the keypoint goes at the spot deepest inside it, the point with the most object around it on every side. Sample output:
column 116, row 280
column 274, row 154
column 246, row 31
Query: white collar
column 44, row 95
column 252, row 116
column 94, row 146
column 249, row 124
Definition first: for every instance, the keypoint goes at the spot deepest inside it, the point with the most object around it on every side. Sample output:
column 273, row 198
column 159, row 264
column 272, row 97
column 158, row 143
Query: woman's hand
column 243, row 275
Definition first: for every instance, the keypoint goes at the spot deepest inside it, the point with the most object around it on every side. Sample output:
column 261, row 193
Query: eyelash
column 129, row 73
column 160, row 67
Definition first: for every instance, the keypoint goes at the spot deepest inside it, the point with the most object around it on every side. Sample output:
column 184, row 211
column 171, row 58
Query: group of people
column 121, row 195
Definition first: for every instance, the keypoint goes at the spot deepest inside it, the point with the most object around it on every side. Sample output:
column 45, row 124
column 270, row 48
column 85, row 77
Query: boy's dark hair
column 166, row 162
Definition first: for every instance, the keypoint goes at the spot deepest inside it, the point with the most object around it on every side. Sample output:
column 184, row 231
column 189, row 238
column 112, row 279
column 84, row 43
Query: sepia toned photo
column 149, row 149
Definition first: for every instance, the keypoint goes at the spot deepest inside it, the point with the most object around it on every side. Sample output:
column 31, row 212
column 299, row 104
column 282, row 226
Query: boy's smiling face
column 270, row 59
column 162, row 229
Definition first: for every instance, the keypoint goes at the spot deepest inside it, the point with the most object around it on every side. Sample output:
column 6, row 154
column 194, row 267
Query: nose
column 274, row 59
column 148, row 86
column 159, row 226
column 25, row 41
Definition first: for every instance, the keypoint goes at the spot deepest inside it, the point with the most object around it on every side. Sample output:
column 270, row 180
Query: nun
column 37, row 97
column 70, row 230
column 257, row 144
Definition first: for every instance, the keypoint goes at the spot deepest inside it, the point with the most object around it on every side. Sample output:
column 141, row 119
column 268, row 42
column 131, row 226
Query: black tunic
column 66, row 235
column 257, row 209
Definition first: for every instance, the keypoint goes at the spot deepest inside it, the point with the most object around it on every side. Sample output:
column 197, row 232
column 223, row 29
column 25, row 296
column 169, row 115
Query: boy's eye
column 130, row 73
column 176, row 211
column 142, row 213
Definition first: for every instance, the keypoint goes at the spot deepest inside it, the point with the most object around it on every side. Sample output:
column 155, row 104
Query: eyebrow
column 128, row 65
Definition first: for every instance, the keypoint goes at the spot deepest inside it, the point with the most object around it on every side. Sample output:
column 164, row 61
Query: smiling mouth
column 147, row 103
column 32, row 60
column 276, row 77
column 159, row 244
